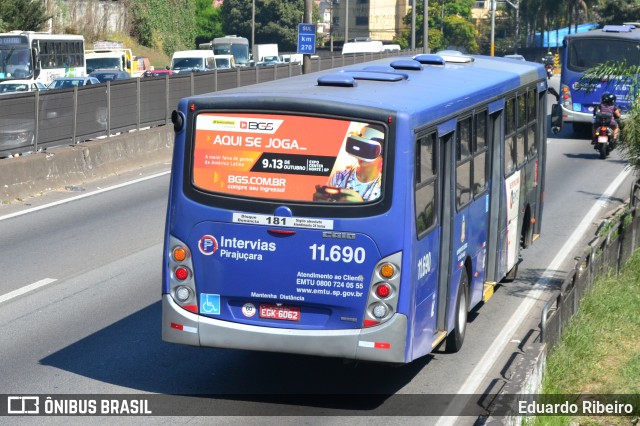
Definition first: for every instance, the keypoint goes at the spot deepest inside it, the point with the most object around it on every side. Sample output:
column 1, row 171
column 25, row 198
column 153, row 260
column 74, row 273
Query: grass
column 157, row 58
column 599, row 352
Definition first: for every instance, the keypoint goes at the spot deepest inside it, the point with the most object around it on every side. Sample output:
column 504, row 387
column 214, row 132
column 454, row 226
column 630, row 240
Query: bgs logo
column 256, row 125
column 208, row 245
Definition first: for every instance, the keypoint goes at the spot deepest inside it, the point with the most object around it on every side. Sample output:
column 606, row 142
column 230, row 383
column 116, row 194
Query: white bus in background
column 354, row 47
column 35, row 56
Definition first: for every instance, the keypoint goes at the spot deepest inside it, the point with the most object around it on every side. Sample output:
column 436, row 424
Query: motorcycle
column 549, row 69
column 602, row 138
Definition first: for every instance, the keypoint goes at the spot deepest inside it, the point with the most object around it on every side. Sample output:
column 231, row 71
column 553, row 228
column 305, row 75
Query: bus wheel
column 456, row 337
column 527, row 231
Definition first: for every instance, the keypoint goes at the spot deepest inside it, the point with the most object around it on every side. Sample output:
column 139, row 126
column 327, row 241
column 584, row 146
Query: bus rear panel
column 613, row 43
column 303, row 217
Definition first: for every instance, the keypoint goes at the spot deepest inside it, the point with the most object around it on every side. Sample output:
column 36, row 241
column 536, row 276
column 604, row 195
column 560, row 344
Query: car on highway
column 516, row 57
column 105, row 75
column 70, row 82
column 224, row 62
column 17, row 86
column 157, row 73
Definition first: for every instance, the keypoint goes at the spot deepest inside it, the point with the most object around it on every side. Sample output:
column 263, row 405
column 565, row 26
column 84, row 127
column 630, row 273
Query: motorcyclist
column 608, row 105
column 549, row 59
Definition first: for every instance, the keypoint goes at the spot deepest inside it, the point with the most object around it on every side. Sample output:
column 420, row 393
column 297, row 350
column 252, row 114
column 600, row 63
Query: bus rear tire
column 456, row 337
column 582, row 128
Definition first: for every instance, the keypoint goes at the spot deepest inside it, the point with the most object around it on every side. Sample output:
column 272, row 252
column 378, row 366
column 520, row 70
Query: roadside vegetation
column 599, row 353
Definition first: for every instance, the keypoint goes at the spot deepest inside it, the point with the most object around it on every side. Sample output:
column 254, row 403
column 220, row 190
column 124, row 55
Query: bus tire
column 527, row 230
column 456, row 337
column 582, row 128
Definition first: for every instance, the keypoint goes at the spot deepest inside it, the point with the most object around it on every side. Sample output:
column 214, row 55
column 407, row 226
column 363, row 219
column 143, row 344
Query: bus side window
column 480, row 153
column 509, row 136
column 532, row 114
column 425, row 183
column 521, row 150
column 463, row 166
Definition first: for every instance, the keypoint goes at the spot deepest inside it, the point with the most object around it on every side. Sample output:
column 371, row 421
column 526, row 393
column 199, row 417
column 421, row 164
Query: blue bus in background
column 612, row 43
column 357, row 213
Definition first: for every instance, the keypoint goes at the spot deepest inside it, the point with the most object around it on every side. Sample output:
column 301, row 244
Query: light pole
column 425, row 20
column 516, row 6
column 493, row 25
column 413, row 25
column 253, row 24
column 346, row 21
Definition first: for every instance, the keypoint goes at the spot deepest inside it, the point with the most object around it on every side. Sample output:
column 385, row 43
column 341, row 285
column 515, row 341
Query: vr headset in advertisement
column 363, row 148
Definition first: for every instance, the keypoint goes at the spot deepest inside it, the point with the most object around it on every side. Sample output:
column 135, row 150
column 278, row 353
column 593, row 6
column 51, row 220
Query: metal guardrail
column 39, row 120
column 605, row 254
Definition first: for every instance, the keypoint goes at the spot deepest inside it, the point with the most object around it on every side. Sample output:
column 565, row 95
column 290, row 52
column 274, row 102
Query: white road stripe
column 78, row 197
column 476, row 377
column 26, row 289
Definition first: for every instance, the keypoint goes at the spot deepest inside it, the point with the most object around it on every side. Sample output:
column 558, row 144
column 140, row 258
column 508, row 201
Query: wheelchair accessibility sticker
column 210, row 304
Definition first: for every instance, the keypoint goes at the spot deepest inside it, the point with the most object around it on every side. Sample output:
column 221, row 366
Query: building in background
column 373, row 19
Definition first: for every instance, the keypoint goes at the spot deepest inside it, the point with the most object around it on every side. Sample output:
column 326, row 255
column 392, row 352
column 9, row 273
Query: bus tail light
column 181, row 284
column 380, row 310
column 181, row 273
column 565, row 97
column 384, row 289
column 182, row 293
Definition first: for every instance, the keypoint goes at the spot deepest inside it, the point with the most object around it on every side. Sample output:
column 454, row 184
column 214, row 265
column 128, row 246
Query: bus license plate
column 286, row 313
column 603, row 139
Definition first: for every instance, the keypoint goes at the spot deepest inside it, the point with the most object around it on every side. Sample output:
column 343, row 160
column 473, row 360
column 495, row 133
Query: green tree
column 208, row 22
column 630, row 128
column 168, row 25
column 276, row 21
column 26, row 15
column 449, row 26
column 616, row 11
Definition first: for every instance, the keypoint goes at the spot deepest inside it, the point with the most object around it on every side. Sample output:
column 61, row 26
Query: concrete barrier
column 39, row 172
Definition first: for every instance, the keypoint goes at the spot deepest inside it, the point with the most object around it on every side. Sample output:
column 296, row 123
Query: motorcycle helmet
column 608, row 98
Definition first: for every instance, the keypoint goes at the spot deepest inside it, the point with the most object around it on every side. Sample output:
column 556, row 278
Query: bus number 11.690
column 344, row 254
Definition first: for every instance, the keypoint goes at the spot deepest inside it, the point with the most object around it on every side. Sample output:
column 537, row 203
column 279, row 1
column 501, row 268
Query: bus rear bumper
column 383, row 343
column 569, row 116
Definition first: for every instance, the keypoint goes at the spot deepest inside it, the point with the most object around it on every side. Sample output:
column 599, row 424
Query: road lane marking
column 498, row 345
column 88, row 194
column 26, row 289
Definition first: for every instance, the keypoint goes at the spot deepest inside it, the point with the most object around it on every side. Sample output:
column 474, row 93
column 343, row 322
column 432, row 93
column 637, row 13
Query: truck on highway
column 266, row 53
column 354, row 47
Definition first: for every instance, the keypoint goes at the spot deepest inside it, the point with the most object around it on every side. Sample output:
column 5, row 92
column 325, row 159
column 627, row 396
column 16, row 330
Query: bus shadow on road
column 131, row 356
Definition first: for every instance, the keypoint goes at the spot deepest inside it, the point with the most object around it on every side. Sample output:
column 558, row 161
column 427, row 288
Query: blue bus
column 357, row 213
column 612, row 43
